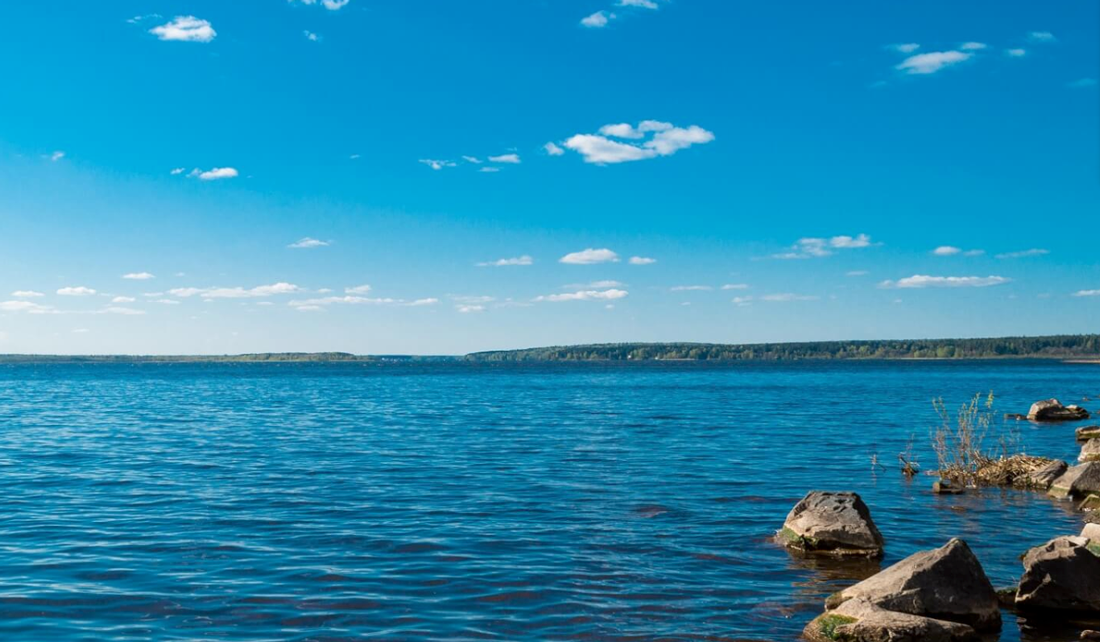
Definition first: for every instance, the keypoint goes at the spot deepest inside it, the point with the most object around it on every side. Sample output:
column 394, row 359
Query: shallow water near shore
column 480, row 502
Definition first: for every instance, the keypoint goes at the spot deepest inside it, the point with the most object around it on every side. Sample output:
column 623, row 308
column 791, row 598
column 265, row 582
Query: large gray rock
column 832, row 523
column 1062, row 575
column 1092, row 532
column 947, row 583
column 1045, row 476
column 1088, row 432
column 1053, row 410
column 1090, row 451
column 1078, row 481
column 859, row 620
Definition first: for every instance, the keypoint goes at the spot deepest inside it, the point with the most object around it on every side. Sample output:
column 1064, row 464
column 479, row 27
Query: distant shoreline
column 1075, row 349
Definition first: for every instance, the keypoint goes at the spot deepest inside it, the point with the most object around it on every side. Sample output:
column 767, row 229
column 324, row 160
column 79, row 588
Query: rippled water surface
column 463, row 502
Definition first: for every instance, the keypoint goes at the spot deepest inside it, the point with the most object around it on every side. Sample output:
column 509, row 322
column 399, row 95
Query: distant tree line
column 1054, row 347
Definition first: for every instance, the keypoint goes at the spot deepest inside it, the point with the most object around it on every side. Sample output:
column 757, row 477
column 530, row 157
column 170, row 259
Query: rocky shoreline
column 943, row 594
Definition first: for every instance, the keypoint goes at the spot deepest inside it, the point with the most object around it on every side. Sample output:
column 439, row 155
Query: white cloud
column 78, row 290
column 1016, row 53
column 973, row 252
column 177, row 171
column 236, row 293
column 1087, row 293
column 585, row 295
column 691, row 288
column 516, row 260
column 742, row 301
column 307, row 243
column 358, row 289
column 472, row 159
column 467, row 308
column 56, row 156
column 471, row 300
column 24, row 306
column 26, row 294
column 553, row 150
column 1082, row 83
column 437, row 164
column 645, row 4
column 172, row 301
column 1041, row 36
column 785, row 297
column 665, row 140
column 512, row 159
column 422, row 302
column 489, row 170
column 185, row 29
column 946, row 250
column 595, row 285
column 812, row 247
column 312, row 37
column 857, row 273
column 925, row 281
column 349, row 300
column 597, row 20
column 590, row 256
column 138, row 276
column 123, row 299
column 642, row 260
column 123, row 311
column 214, row 174
column 905, row 48
column 973, row 46
column 331, row 5
column 309, row 308
column 930, row 63
column 735, row 286
column 1023, row 254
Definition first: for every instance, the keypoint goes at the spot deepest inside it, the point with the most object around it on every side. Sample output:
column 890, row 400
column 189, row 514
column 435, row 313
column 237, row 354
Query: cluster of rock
column 1053, row 410
column 941, row 595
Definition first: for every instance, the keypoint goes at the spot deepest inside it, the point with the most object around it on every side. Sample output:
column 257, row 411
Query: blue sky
column 787, row 169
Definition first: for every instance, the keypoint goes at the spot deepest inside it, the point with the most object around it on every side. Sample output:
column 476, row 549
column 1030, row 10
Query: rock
column 1092, row 532
column 1015, row 415
column 1088, row 432
column 1078, row 481
column 1053, row 410
column 1045, row 476
column 832, row 523
column 947, row 583
column 943, row 487
column 861, row 621
column 1062, row 575
column 1090, row 451
column 1090, row 635
column 1090, row 503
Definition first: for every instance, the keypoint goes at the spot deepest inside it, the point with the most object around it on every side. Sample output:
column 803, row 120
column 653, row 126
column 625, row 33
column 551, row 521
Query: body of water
column 476, row 502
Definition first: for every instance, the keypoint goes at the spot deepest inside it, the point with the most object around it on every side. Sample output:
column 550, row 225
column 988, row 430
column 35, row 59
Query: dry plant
column 959, row 440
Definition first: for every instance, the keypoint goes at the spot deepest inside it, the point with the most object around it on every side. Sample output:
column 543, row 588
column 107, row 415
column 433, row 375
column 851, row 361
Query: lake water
column 465, row 502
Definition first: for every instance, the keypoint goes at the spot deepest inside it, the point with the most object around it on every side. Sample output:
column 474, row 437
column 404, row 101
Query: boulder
column 1092, row 532
column 943, row 487
column 1090, row 635
column 947, row 583
column 1090, row 451
column 832, row 523
column 861, row 621
column 1088, row 432
column 1053, row 410
column 1077, row 481
column 1062, row 575
column 1045, row 476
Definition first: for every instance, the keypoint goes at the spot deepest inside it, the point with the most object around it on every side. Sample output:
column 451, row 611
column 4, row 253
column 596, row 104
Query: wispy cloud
column 925, row 281
column 516, row 260
column 664, row 139
column 857, row 273
column 331, row 5
column 123, row 299
column 644, row 4
column 905, row 48
column 24, row 306
column 217, row 173
column 553, row 149
column 931, row 62
column 597, row 20
column 595, row 285
column 691, row 288
column 973, row 46
column 946, row 250
column 26, row 294
column 437, row 164
column 358, row 289
column 310, row 36
column 1016, row 53
column 56, row 156
column 467, row 308
column 308, row 243
column 138, row 276
column 786, row 297
column 585, row 295
column 237, row 292
column 642, row 260
column 76, row 290
column 185, row 29
column 1041, row 36
column 511, row 159
column 813, row 247
column 735, row 286
column 1023, row 254
column 590, row 256
column 1087, row 293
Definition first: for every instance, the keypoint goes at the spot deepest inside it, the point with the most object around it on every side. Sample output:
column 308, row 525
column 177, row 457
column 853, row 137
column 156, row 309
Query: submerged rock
column 943, row 487
column 1045, row 476
column 947, row 583
column 1062, row 575
column 1078, row 481
column 1088, row 432
column 1090, row 451
column 1053, row 410
column 859, row 620
column 832, row 523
